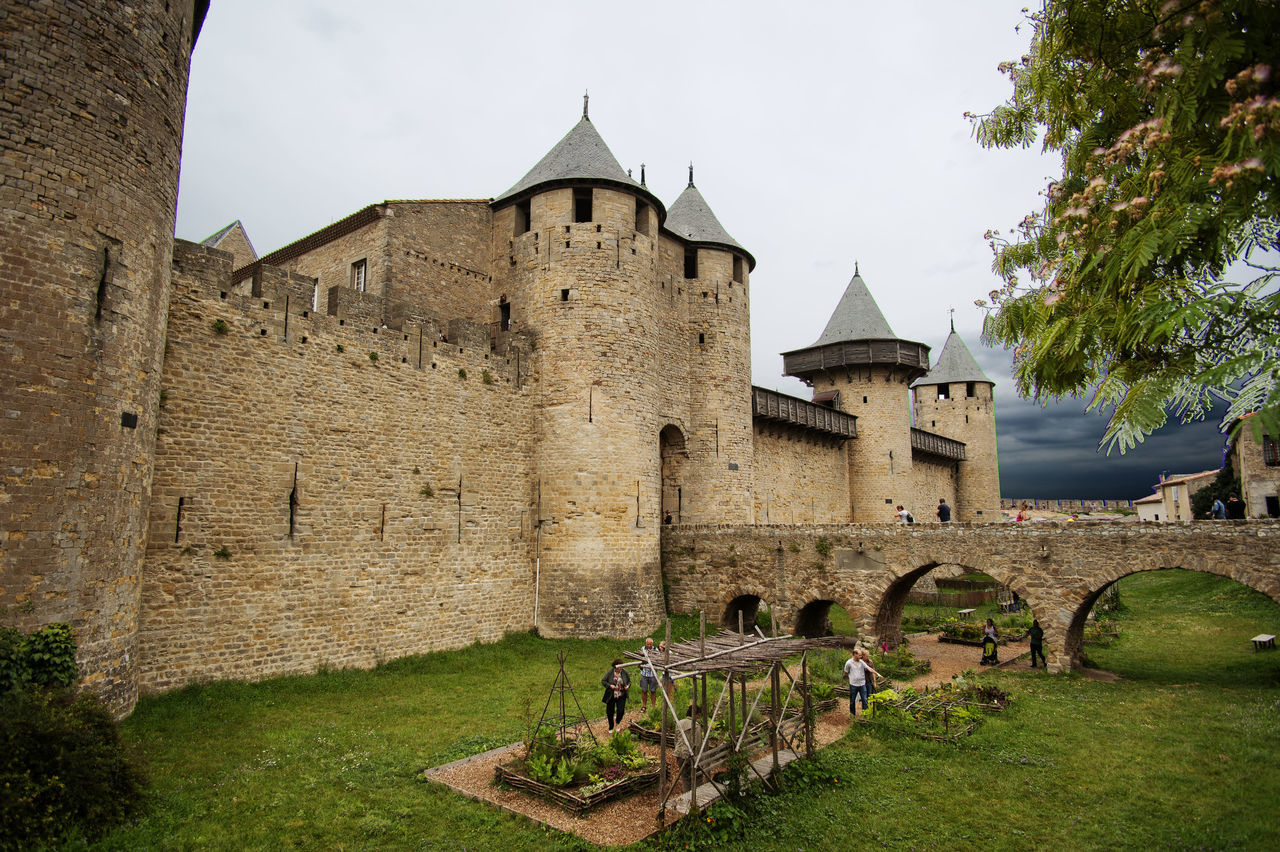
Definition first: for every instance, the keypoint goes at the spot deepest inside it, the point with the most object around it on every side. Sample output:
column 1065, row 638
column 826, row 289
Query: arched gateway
column 1060, row 570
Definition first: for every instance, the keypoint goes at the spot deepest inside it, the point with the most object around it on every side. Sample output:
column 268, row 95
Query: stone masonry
column 1058, row 569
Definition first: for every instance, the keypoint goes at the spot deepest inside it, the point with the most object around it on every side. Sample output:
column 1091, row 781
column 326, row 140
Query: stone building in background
column 427, row 424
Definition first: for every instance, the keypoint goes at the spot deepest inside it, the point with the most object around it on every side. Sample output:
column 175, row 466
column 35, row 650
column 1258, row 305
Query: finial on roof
column 642, row 174
column 855, row 269
column 691, row 173
column 586, row 97
column 953, row 320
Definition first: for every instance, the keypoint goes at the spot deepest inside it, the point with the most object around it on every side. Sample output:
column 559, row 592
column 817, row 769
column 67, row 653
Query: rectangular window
column 582, row 205
column 1270, row 451
column 737, row 269
column 359, row 271
column 944, row 392
column 691, row 262
column 642, row 217
column 523, row 216
column 970, row 389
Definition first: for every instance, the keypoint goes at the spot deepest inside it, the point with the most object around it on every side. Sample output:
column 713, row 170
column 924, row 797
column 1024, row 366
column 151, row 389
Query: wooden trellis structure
column 777, row 731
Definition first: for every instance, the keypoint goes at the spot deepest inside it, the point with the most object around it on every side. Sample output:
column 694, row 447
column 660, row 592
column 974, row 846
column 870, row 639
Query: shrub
column 46, row 658
column 373, row 356
column 62, row 766
column 220, row 327
column 486, row 378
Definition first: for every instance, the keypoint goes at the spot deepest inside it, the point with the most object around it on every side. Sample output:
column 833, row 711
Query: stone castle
column 427, row 424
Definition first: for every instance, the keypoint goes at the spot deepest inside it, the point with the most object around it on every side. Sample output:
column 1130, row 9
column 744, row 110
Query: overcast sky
column 822, row 134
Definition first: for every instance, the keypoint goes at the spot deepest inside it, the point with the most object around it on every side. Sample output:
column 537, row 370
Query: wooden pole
column 804, row 693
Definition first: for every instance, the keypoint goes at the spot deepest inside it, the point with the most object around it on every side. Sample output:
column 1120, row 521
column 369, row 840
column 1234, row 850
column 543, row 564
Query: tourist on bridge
column 905, row 516
column 616, row 682
column 944, row 511
column 1235, row 508
column 1219, row 510
column 990, row 640
column 857, row 668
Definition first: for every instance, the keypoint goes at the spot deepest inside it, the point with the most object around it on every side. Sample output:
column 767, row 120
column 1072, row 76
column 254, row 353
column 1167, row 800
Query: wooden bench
column 1263, row 640
column 968, row 611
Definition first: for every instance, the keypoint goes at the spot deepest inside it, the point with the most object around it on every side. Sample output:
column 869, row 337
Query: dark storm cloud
column 1053, row 451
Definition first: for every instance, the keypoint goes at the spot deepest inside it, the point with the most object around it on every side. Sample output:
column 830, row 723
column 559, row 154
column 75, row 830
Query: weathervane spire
column 586, row 98
column 691, row 173
column 855, row 269
column 642, row 174
column 953, row 320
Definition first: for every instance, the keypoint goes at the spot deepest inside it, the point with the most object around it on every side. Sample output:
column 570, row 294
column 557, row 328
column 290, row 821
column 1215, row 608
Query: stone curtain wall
column 934, row 478
column 374, row 568
column 1059, row 569
column 799, row 479
column 91, row 129
column 439, row 258
column 330, row 264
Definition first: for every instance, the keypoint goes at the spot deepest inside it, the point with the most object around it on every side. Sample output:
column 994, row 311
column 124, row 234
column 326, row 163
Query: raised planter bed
column 977, row 643
column 651, row 735
column 577, row 803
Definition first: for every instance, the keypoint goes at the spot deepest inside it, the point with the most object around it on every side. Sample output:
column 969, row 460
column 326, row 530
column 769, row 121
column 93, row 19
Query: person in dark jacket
column 943, row 511
column 1235, row 508
column 1037, row 643
column 616, row 682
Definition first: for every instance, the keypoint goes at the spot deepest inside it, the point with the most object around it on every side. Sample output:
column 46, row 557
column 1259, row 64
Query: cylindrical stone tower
column 956, row 399
column 581, row 238
column 720, row 471
column 861, row 367
column 95, row 94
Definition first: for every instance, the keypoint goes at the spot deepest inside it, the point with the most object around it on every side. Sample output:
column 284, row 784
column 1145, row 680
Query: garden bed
column 945, row 714
column 577, row 803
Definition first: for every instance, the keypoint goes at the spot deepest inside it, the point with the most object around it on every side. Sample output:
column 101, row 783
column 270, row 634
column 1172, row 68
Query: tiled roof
column 955, row 364
column 857, row 317
column 690, row 218
column 580, row 155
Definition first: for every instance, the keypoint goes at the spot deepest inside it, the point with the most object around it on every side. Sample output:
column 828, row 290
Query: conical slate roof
column 580, row 155
column 690, row 218
column 955, row 364
column 857, row 317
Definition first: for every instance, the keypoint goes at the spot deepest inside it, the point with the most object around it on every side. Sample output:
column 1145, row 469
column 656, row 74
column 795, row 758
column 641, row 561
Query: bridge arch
column 748, row 604
column 1232, row 569
column 811, row 619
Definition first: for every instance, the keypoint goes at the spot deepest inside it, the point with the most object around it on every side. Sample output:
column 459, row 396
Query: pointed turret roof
column 857, row 335
column 857, row 317
column 580, row 156
column 955, row 364
column 690, row 218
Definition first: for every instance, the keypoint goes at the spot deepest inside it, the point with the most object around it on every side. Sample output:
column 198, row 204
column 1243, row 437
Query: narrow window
column 691, row 262
column 944, row 392
column 702, row 338
column 970, row 390
column 504, row 315
column 358, row 273
column 522, row 217
column 564, row 295
column 582, row 205
column 737, row 269
column 642, row 217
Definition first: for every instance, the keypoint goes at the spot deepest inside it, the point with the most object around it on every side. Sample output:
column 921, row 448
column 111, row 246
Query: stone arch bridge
column 1058, row 568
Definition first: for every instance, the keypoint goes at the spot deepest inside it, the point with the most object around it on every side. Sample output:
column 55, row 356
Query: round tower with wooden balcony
column 859, row 366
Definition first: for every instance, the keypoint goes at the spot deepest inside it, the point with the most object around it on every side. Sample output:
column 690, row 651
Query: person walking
column 944, row 511
column 857, row 669
column 1219, row 510
column 1037, row 643
column 616, row 682
column 648, row 679
column 905, row 516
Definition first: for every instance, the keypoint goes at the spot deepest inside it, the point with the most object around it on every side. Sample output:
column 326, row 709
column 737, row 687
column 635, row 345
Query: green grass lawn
column 1181, row 753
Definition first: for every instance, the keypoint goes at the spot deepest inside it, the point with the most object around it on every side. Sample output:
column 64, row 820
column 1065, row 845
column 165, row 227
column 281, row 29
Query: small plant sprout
column 426, row 491
column 222, row 553
column 340, row 349
column 462, row 372
column 373, row 356
column 220, row 327
column 486, row 377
